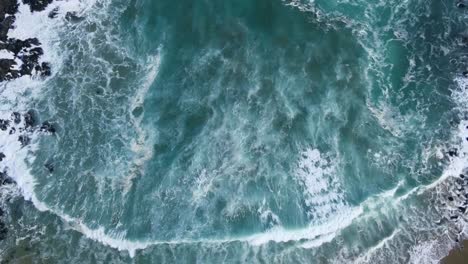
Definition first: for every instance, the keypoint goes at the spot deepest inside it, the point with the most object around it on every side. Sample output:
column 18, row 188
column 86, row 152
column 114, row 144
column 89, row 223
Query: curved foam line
column 316, row 235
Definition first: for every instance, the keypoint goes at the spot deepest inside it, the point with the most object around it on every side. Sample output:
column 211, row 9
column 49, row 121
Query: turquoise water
column 245, row 132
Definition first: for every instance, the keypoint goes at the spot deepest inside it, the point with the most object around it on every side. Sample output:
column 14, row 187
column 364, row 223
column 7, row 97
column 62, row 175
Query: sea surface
column 247, row 131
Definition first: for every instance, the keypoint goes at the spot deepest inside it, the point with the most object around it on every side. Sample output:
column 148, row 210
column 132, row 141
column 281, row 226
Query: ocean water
column 248, row 131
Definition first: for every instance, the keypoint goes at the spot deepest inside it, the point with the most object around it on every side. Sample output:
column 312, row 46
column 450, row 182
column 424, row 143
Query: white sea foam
column 322, row 191
column 12, row 96
column 5, row 54
column 427, row 252
column 203, row 185
column 267, row 216
column 315, row 234
column 142, row 146
column 321, row 188
column 38, row 25
column 459, row 162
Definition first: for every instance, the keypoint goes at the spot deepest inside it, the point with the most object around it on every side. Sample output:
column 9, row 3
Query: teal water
column 246, row 132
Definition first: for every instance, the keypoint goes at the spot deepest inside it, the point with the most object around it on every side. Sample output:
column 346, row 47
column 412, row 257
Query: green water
column 245, row 132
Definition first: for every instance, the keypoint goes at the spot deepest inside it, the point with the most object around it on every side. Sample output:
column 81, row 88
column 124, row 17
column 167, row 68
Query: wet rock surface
column 37, row 5
column 24, row 55
column 21, row 126
column 20, row 57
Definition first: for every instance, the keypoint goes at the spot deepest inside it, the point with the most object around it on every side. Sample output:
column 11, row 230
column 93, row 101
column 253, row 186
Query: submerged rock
column 453, row 152
column 16, row 117
column 6, row 72
column 73, row 17
column 3, row 231
column 24, row 140
column 49, row 167
column 5, row 179
column 4, row 124
column 53, row 13
column 462, row 4
column 462, row 209
column 45, row 69
column 5, row 25
column 29, row 120
column 47, row 127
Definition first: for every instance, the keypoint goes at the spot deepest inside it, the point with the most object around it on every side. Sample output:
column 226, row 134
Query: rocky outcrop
column 22, row 126
column 20, row 57
column 24, row 54
column 37, row 5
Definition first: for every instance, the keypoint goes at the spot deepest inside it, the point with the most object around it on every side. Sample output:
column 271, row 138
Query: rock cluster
column 23, row 55
column 20, row 57
column 22, row 126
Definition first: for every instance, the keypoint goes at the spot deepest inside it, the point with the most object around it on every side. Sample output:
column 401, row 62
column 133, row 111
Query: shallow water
column 241, row 131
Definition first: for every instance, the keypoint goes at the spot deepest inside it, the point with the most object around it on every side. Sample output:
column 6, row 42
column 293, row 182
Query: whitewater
column 253, row 131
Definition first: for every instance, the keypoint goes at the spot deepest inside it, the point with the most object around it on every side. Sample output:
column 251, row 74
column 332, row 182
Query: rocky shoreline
column 19, row 57
column 22, row 126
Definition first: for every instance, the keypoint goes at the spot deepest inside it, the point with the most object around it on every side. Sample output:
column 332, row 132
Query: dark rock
column 38, row 51
column 72, row 17
column 16, row 117
column 462, row 209
column 28, row 50
column 25, row 140
column 4, row 179
column 5, row 69
column 99, row 91
column 9, row 7
column 47, row 127
column 3, row 231
column 45, row 69
column 453, row 152
column 454, row 123
column 12, row 130
column 462, row 3
column 49, row 167
column 2, row 156
column 454, row 217
column 5, row 25
column 37, row 5
column 29, row 119
column 53, row 13
column 450, row 198
column 462, row 176
column 4, row 124
column 17, row 45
